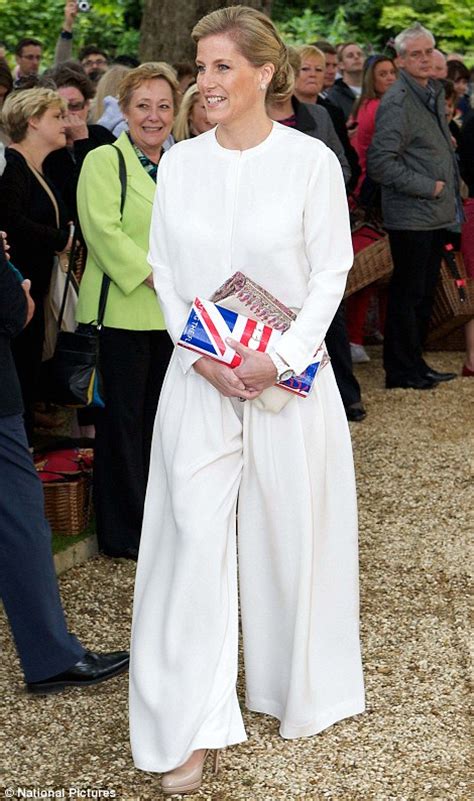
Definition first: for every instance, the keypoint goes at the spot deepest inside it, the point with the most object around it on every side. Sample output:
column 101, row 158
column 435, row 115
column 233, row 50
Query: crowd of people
column 167, row 179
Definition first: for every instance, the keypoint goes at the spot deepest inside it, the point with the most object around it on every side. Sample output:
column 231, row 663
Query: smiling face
column 230, row 85
column 150, row 115
column 310, row 79
column 384, row 75
column 49, row 130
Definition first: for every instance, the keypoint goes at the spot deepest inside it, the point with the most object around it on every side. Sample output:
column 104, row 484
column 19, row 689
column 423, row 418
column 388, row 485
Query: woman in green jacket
column 134, row 345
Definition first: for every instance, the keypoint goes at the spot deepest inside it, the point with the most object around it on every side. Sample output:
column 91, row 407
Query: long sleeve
column 393, row 132
column 98, row 205
column 329, row 252
column 175, row 309
column 63, row 51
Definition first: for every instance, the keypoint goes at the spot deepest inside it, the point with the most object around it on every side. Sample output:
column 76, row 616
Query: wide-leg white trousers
column 293, row 476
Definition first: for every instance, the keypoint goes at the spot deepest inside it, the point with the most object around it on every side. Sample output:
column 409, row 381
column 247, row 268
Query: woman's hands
column 255, row 373
column 256, row 369
column 224, row 379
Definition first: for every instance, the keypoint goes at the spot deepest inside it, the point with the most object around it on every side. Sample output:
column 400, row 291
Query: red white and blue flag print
column 210, row 324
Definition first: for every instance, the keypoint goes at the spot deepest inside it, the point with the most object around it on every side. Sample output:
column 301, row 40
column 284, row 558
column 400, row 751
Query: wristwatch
column 284, row 371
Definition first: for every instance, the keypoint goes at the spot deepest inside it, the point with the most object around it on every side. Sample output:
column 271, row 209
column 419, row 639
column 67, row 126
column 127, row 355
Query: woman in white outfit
column 254, row 196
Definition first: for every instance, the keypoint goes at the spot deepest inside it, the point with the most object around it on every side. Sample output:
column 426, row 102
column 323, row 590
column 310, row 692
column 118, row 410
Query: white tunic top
column 269, row 212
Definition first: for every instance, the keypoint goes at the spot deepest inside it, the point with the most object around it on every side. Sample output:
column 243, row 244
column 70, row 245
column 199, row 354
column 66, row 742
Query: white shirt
column 276, row 212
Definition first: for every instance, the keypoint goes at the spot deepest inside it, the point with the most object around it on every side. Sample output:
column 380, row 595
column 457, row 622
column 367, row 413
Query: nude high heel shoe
column 186, row 779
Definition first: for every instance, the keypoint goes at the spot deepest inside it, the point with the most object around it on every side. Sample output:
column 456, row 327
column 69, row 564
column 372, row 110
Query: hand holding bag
column 248, row 299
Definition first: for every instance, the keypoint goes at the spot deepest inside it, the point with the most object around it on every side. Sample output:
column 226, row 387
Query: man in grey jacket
column 412, row 157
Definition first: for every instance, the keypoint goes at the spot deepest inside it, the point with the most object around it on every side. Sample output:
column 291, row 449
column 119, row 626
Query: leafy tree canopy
column 373, row 22
column 112, row 25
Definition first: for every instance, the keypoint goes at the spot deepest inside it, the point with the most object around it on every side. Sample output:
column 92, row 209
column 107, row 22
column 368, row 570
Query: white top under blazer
column 269, row 212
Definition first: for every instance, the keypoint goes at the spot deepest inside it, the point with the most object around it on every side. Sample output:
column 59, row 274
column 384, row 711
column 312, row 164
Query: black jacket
column 13, row 310
column 28, row 217
column 62, row 167
column 342, row 96
column 337, row 118
column 314, row 120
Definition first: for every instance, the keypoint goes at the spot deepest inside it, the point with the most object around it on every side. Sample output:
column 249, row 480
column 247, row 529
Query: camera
column 83, row 5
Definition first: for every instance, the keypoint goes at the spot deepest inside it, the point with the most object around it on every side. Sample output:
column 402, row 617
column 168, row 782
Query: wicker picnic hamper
column 372, row 261
column 454, row 300
column 68, row 504
column 66, row 477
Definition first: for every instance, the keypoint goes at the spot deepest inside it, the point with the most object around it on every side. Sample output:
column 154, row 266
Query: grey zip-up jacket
column 410, row 151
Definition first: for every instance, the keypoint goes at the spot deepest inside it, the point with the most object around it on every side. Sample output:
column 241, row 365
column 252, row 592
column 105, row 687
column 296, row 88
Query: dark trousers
column 28, row 584
column 133, row 365
column 27, row 349
column 337, row 343
column 416, row 264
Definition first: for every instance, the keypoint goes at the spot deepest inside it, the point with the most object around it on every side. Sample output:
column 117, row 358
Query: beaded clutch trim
column 245, row 296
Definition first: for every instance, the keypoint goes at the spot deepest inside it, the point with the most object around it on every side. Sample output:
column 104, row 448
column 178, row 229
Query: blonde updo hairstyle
column 21, row 106
column 181, row 128
column 257, row 39
column 148, row 72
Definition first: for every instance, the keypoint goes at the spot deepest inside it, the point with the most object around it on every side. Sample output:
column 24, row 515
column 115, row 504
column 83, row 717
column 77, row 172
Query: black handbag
column 74, row 372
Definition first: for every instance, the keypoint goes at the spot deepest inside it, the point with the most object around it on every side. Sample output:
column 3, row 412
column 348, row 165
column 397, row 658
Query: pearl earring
column 263, row 86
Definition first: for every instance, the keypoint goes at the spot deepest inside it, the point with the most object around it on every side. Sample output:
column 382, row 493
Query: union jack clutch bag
column 209, row 324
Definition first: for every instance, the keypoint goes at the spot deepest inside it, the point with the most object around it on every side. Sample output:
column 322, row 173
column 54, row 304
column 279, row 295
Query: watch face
column 286, row 375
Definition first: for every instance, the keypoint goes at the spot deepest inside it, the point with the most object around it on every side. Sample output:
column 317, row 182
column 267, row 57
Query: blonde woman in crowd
column 255, row 196
column 191, row 119
column 34, row 217
column 104, row 108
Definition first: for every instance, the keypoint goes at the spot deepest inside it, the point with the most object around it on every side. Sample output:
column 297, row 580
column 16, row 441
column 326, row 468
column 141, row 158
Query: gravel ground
column 414, row 460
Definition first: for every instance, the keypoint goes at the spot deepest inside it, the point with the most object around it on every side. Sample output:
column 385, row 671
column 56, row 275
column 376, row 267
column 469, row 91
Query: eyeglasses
column 94, row 62
column 76, row 106
column 417, row 54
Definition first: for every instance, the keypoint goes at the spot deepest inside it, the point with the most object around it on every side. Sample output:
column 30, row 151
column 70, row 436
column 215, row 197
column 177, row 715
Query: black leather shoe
column 434, row 375
column 355, row 412
column 411, row 383
column 91, row 669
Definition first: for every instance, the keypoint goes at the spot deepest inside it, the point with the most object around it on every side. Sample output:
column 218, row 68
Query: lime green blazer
column 117, row 247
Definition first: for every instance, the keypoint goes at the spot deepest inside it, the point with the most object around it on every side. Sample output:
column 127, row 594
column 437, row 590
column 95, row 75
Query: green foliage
column 310, row 26
column 450, row 21
column 374, row 21
column 108, row 24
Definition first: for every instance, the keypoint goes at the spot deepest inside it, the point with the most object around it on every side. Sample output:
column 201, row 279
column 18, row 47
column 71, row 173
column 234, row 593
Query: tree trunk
column 165, row 33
